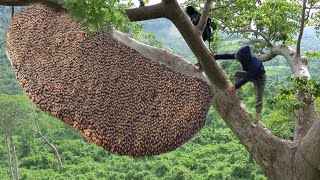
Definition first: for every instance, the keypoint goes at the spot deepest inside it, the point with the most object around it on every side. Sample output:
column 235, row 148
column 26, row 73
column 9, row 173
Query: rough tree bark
column 281, row 159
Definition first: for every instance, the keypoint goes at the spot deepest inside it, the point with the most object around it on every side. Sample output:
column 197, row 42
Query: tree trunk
column 302, row 160
column 9, row 157
column 14, row 156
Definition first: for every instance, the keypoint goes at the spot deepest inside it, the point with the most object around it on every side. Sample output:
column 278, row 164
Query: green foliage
column 286, row 97
column 14, row 112
column 278, row 20
column 100, row 13
column 8, row 83
column 312, row 54
column 281, row 124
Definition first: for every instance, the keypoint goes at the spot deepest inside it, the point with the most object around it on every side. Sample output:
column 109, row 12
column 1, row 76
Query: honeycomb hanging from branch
column 114, row 96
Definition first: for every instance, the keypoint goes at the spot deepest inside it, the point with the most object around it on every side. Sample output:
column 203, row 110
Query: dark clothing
column 195, row 18
column 251, row 65
column 259, row 85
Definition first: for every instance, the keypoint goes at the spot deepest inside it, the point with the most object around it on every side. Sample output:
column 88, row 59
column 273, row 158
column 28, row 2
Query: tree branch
column 257, row 33
column 164, row 56
column 54, row 149
column 303, row 14
column 268, row 55
column 310, row 146
column 204, row 17
column 256, row 140
column 26, row 2
column 299, row 69
column 134, row 14
column 146, row 13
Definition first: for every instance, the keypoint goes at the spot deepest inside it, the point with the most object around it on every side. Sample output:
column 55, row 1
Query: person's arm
column 224, row 56
column 244, row 80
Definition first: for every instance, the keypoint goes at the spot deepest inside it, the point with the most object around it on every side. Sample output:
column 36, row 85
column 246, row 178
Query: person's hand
column 233, row 90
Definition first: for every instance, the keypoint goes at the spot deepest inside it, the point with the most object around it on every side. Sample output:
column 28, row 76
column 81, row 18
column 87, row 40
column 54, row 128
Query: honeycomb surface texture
column 113, row 95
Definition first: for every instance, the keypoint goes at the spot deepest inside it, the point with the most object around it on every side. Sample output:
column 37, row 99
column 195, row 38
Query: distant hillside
column 168, row 34
column 310, row 41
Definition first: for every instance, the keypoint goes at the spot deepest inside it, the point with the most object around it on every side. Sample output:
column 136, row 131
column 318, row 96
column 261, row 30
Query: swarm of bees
column 114, row 96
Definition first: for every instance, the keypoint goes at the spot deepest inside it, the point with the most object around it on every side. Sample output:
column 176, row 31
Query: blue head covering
column 244, row 55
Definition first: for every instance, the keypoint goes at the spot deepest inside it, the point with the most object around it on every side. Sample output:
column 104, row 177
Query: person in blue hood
column 253, row 70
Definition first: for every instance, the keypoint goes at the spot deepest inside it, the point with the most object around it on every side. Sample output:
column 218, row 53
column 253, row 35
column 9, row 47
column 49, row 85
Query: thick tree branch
column 298, row 65
column 256, row 140
column 205, row 14
column 134, row 14
column 310, row 146
column 146, row 13
column 194, row 40
column 164, row 56
column 299, row 68
column 302, row 21
column 26, row 2
column 267, row 56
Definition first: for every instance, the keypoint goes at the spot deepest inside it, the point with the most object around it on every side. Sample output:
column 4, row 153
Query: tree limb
column 134, row 14
column 302, row 21
column 299, row 69
column 256, row 140
column 205, row 14
column 257, row 33
column 146, row 12
column 164, row 56
column 26, row 2
column 194, row 40
column 310, row 146
column 268, row 55
column 54, row 149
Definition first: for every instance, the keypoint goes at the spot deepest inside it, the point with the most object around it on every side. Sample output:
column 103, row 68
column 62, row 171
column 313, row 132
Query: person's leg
column 259, row 86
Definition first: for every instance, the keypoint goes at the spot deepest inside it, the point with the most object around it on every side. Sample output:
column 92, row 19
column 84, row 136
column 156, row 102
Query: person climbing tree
column 195, row 18
column 206, row 34
column 253, row 71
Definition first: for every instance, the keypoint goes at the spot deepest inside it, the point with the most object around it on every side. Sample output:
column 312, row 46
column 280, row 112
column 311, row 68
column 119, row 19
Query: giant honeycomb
column 113, row 95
